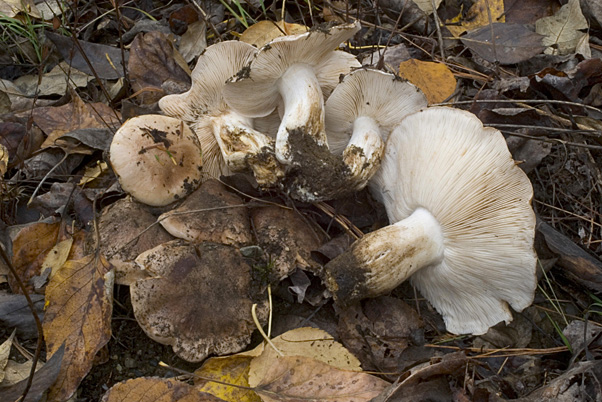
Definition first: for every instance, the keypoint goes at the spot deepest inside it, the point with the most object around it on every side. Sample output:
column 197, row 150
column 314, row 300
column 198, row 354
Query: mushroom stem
column 246, row 148
column 303, row 109
column 380, row 261
column 364, row 150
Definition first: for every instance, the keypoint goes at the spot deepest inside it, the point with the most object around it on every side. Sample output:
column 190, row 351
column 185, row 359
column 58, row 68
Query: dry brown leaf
column 56, row 121
column 3, row 160
column 156, row 389
column 564, row 31
column 155, row 65
column 79, row 299
column 10, row 8
column 232, row 370
column 309, row 342
column 478, row 16
column 264, row 31
column 30, row 247
column 298, row 378
column 434, row 79
column 4, row 353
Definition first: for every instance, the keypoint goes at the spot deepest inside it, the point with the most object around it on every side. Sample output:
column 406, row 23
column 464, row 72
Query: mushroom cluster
column 306, row 118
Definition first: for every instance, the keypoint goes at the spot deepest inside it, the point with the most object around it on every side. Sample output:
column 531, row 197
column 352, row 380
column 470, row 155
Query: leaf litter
column 544, row 100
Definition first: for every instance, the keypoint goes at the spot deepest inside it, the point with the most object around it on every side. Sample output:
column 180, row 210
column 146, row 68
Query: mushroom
column 126, row 228
column 198, row 300
column 462, row 227
column 294, row 70
column 156, row 158
column 361, row 112
column 228, row 139
column 211, row 213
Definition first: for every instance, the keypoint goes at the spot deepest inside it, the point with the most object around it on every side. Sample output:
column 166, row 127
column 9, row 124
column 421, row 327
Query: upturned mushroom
column 293, row 70
column 462, row 227
column 228, row 139
column 156, row 158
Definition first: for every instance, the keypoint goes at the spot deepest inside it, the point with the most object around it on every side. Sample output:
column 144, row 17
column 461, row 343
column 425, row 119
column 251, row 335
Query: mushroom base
column 380, row 261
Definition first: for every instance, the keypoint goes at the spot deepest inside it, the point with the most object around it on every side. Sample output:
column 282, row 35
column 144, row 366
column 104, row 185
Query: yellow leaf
column 264, row 31
column 434, row 79
column 91, row 173
column 232, row 370
column 478, row 16
column 155, row 389
column 3, row 160
column 80, row 300
column 57, row 256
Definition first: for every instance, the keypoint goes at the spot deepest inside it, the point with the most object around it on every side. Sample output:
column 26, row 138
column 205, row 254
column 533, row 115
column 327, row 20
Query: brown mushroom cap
column 211, row 213
column 199, row 300
column 127, row 228
column 157, row 159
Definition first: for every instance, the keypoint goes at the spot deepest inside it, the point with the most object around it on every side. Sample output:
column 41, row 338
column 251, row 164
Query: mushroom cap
column 126, row 229
column 314, row 48
column 445, row 161
column 204, row 99
column 214, row 66
column 156, row 158
column 211, row 213
column 381, row 96
column 199, row 300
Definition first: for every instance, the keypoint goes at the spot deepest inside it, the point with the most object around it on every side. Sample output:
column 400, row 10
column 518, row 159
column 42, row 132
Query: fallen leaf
column 528, row 11
column 427, row 5
column 563, row 31
column 79, row 300
column 194, row 40
column 105, row 61
column 312, row 343
column 299, row 378
column 10, row 8
column 17, row 372
column 231, row 370
column 15, row 313
column 3, row 160
column 478, row 16
column 263, row 32
column 42, row 380
column 93, row 172
column 30, row 247
column 57, row 121
column 434, row 79
column 54, row 82
column 57, row 256
column 513, row 43
column 4, row 353
column 156, row 389
column 153, row 63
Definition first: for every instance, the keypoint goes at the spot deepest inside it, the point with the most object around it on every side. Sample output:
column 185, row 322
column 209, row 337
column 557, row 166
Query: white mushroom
column 294, row 70
column 361, row 112
column 462, row 224
column 228, row 139
column 156, row 158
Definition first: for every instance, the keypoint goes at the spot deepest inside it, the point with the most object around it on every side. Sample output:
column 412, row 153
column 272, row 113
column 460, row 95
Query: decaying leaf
column 10, row 8
column 155, row 65
column 312, row 343
column 427, row 5
column 3, row 160
column 194, row 40
column 513, row 43
column 434, row 79
column 30, row 247
column 56, row 121
column 264, row 31
column 104, row 61
column 79, row 301
column 566, row 31
column 156, row 389
column 42, row 380
column 478, row 16
column 299, row 378
column 14, row 313
column 54, row 82
column 4, row 353
column 231, row 370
